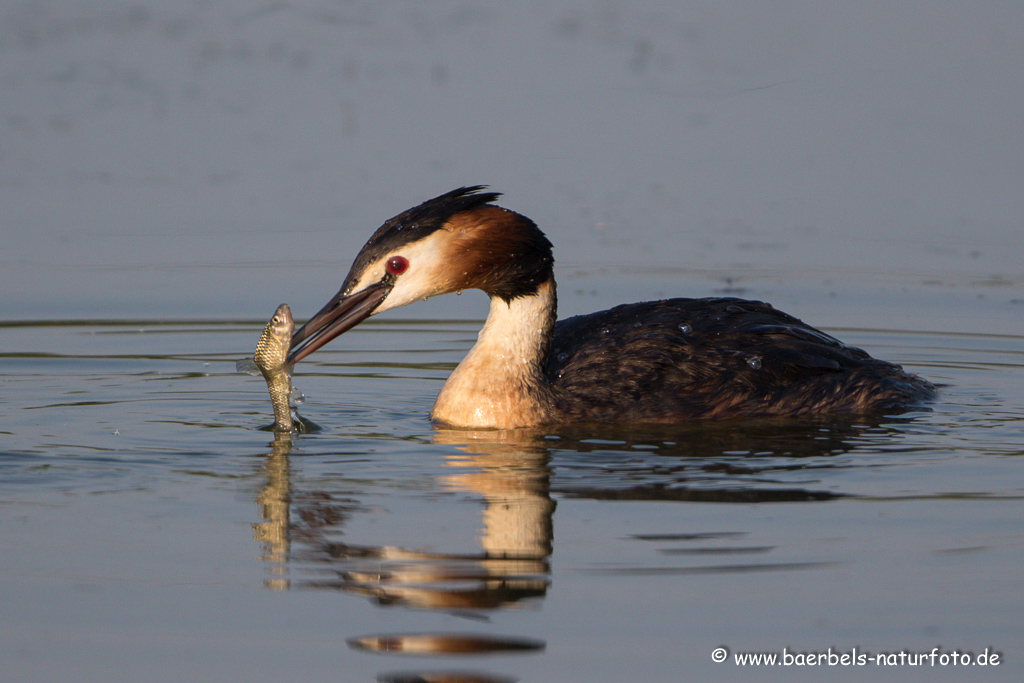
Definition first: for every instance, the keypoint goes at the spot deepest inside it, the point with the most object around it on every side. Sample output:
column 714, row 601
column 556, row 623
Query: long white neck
column 500, row 383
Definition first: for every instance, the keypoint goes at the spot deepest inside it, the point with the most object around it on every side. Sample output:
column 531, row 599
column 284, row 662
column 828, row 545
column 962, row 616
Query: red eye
column 397, row 265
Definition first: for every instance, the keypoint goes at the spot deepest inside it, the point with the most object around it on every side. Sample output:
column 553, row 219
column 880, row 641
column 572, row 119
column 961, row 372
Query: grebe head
column 457, row 241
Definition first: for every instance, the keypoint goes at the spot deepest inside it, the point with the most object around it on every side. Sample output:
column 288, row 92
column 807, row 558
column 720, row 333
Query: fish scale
column 271, row 359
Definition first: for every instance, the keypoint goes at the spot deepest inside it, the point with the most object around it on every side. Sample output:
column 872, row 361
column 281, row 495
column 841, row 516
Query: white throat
column 500, row 383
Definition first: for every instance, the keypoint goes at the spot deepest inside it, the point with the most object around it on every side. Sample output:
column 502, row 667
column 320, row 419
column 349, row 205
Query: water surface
column 149, row 525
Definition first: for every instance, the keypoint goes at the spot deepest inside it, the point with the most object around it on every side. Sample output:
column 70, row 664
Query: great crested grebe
column 667, row 361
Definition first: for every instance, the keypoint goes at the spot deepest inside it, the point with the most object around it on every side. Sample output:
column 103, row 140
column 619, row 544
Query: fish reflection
column 291, row 516
column 274, row 500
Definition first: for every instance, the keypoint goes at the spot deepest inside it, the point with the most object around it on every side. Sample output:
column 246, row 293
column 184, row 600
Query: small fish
column 270, row 357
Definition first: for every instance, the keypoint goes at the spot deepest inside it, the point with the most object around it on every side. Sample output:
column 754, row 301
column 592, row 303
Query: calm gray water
column 170, row 174
column 150, row 529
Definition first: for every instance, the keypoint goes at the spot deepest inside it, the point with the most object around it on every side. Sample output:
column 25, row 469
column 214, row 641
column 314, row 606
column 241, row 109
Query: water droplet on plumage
column 685, row 329
column 562, row 357
column 754, row 362
column 605, row 331
column 638, row 324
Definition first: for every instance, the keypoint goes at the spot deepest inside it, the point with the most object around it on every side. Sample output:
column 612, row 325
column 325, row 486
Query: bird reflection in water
column 513, row 480
column 510, row 471
column 757, row 462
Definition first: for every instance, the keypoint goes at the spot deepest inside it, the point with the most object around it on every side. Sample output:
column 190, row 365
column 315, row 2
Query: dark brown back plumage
column 681, row 359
